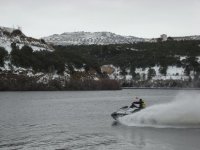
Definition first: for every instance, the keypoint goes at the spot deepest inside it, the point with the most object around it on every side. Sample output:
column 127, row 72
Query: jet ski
column 123, row 111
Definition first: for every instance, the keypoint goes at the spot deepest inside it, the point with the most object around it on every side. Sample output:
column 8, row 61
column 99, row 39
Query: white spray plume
column 183, row 111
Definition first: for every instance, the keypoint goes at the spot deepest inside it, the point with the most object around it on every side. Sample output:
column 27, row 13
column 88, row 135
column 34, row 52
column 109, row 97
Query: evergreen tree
column 163, row 70
column 3, row 56
column 151, row 73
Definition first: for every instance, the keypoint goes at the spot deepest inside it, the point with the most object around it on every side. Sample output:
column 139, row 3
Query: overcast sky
column 141, row 18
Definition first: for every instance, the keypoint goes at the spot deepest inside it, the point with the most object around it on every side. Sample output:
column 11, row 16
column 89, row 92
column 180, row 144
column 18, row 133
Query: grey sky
column 141, row 18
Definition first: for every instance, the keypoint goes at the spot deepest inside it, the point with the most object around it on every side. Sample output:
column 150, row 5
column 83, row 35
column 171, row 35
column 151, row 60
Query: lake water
column 81, row 121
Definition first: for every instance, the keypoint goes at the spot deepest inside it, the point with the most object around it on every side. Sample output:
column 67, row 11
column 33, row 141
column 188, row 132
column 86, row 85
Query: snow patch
column 5, row 43
column 198, row 59
column 79, row 69
column 173, row 72
column 182, row 57
column 128, row 77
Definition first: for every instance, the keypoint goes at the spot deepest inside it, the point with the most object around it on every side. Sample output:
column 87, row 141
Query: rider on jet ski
column 140, row 102
column 136, row 106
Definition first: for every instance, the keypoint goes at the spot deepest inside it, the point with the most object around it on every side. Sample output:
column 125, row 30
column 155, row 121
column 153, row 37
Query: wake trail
column 182, row 112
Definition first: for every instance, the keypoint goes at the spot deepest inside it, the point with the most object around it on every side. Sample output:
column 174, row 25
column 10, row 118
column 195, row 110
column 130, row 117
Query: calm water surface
column 81, row 121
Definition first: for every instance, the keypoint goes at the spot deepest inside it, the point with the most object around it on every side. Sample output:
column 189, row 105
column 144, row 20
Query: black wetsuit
column 141, row 104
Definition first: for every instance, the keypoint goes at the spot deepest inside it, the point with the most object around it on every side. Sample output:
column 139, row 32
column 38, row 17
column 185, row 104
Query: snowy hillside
column 173, row 73
column 89, row 38
column 195, row 37
column 73, row 67
column 10, row 35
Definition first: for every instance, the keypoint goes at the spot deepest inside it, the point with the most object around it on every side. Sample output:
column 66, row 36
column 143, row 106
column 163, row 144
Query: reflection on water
column 81, row 121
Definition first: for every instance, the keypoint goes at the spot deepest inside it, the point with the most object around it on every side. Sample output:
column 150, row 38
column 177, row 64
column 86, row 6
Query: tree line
column 132, row 56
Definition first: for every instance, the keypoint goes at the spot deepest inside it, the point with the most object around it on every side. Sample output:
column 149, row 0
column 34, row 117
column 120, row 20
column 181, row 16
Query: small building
column 163, row 37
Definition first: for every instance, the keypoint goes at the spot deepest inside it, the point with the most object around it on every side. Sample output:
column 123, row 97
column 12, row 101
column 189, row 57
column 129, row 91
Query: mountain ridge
column 12, row 35
column 106, row 38
column 90, row 38
column 170, row 63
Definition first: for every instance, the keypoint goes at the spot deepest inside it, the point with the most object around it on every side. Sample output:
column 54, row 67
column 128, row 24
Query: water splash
column 183, row 111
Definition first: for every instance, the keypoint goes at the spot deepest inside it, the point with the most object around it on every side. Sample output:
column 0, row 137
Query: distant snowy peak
column 11, row 35
column 89, row 38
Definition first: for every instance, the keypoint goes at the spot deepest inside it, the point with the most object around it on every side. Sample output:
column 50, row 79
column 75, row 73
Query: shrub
column 17, row 32
column 163, row 70
column 3, row 56
column 151, row 73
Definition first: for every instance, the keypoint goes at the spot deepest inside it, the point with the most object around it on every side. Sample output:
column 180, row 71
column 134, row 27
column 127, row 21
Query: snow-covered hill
column 194, row 37
column 70, row 70
column 10, row 35
column 172, row 73
column 89, row 38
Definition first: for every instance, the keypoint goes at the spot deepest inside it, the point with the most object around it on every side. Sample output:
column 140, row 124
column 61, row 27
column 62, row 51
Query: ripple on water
column 88, row 141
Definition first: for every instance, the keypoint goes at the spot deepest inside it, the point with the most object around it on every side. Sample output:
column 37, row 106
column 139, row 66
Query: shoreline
column 161, row 88
column 122, row 88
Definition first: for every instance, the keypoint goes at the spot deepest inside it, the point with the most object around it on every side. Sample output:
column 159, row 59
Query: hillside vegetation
column 185, row 54
column 135, row 55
